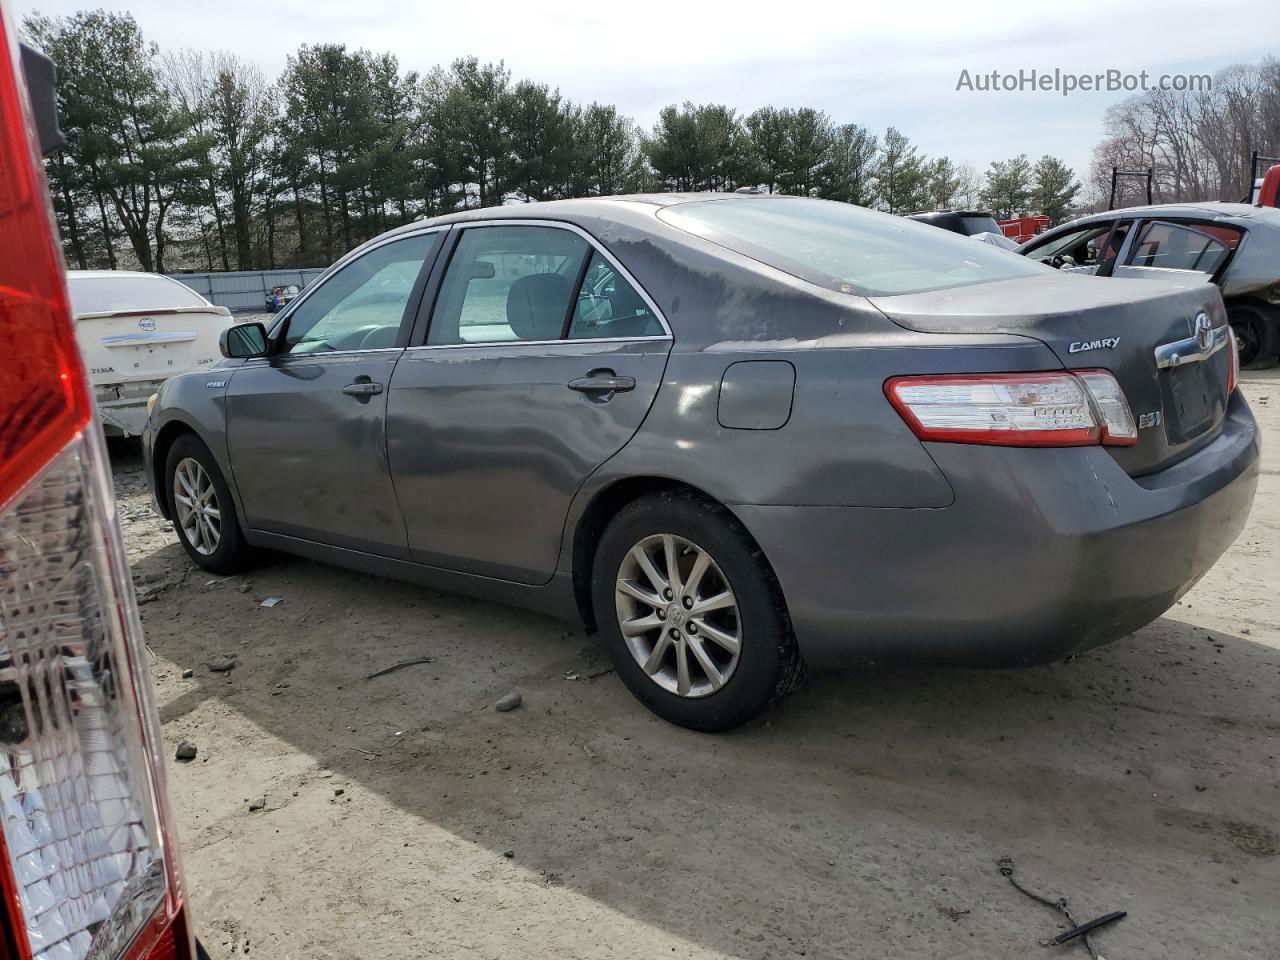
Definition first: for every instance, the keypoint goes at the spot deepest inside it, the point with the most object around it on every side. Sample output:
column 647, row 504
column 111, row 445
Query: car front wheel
column 201, row 508
column 691, row 613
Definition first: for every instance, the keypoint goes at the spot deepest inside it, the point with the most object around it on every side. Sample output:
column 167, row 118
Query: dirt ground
column 405, row 818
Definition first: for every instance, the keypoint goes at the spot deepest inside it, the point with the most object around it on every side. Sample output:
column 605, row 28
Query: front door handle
column 602, row 384
column 364, row 389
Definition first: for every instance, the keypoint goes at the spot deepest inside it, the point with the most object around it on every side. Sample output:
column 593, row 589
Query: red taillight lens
column 1233, row 374
column 42, row 401
column 1053, row 409
column 87, row 866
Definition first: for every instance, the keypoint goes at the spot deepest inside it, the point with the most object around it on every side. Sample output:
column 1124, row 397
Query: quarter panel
column 844, row 445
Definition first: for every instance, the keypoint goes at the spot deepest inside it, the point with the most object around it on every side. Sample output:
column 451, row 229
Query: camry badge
column 1106, row 343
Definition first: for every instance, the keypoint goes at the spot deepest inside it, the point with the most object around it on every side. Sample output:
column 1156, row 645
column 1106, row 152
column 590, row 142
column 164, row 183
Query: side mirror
column 244, row 340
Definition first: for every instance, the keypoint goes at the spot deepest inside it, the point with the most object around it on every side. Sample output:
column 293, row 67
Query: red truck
column 1022, row 229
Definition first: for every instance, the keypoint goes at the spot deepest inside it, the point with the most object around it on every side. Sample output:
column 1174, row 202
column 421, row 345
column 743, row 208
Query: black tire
column 231, row 554
column 769, row 665
column 1257, row 330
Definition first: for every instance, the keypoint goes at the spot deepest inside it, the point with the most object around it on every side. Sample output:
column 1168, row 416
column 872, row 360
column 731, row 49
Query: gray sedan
column 734, row 434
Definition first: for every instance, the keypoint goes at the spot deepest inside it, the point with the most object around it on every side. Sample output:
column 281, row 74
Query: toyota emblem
column 1204, row 331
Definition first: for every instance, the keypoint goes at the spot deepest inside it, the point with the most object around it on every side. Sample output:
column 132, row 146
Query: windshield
column 125, row 293
column 847, row 248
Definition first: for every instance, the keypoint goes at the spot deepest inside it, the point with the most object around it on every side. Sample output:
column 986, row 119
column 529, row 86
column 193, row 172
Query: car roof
column 1214, row 209
column 580, row 207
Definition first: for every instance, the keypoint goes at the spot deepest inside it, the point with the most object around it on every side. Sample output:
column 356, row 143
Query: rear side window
column 608, row 306
column 848, row 248
column 1175, row 246
column 510, row 284
column 125, row 293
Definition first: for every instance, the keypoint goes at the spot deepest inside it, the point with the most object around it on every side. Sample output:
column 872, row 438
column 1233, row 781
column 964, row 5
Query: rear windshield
column 848, row 248
column 113, row 294
column 974, row 225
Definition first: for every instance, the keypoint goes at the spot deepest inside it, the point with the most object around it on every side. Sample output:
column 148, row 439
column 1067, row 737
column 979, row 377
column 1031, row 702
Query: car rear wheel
column 201, row 508
column 1257, row 331
column 691, row 613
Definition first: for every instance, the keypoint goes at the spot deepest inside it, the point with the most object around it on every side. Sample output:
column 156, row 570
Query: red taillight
column 1233, row 371
column 42, row 401
column 1053, row 409
column 88, row 865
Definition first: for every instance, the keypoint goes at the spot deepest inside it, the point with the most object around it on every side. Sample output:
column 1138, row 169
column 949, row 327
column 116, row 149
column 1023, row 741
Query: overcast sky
column 895, row 64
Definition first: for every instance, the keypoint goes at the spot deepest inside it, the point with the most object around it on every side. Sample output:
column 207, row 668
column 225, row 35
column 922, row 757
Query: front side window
column 508, row 284
column 361, row 307
column 847, row 248
column 1174, row 246
column 1081, row 247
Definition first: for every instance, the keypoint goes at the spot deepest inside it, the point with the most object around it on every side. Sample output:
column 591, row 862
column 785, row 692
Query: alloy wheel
column 196, row 503
column 678, row 615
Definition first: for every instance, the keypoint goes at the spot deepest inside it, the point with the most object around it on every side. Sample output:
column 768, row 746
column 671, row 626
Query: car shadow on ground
column 869, row 810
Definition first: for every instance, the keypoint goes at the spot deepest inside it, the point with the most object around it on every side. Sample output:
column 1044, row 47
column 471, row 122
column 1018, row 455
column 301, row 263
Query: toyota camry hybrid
column 734, row 434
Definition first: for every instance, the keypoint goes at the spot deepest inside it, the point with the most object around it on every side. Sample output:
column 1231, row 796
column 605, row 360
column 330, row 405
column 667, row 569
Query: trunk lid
column 149, row 344
column 1114, row 324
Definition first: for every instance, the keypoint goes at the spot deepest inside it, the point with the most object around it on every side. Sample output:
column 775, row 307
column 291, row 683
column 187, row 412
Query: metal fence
column 244, row 289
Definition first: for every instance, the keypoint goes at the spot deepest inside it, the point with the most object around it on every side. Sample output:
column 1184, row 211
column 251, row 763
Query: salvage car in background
column 135, row 330
column 734, row 433
column 1234, row 245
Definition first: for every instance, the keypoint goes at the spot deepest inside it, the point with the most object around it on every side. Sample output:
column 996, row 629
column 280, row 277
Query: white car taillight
column 1054, row 409
column 88, row 868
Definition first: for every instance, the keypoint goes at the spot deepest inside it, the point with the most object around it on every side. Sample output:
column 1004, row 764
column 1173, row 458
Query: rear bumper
column 122, row 407
column 1043, row 553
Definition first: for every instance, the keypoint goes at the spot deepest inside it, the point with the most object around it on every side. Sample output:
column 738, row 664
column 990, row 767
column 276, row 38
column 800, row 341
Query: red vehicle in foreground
column 89, row 863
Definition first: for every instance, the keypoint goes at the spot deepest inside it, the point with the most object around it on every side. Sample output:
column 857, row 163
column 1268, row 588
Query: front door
column 541, row 361
column 306, row 426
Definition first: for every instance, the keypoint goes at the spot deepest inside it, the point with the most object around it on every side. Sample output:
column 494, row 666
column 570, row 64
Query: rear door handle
column 363, row 389
column 602, row 384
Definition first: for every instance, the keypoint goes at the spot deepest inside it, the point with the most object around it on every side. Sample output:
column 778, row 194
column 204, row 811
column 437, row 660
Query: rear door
column 306, row 426
column 542, row 359
column 1188, row 250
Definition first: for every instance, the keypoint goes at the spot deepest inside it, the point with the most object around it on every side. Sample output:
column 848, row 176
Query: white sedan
column 135, row 330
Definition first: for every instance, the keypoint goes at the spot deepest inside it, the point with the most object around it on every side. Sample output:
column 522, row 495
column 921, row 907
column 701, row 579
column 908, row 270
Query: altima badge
column 1106, row 343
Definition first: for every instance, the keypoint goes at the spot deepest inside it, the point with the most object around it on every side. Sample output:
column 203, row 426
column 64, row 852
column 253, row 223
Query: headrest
column 536, row 305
